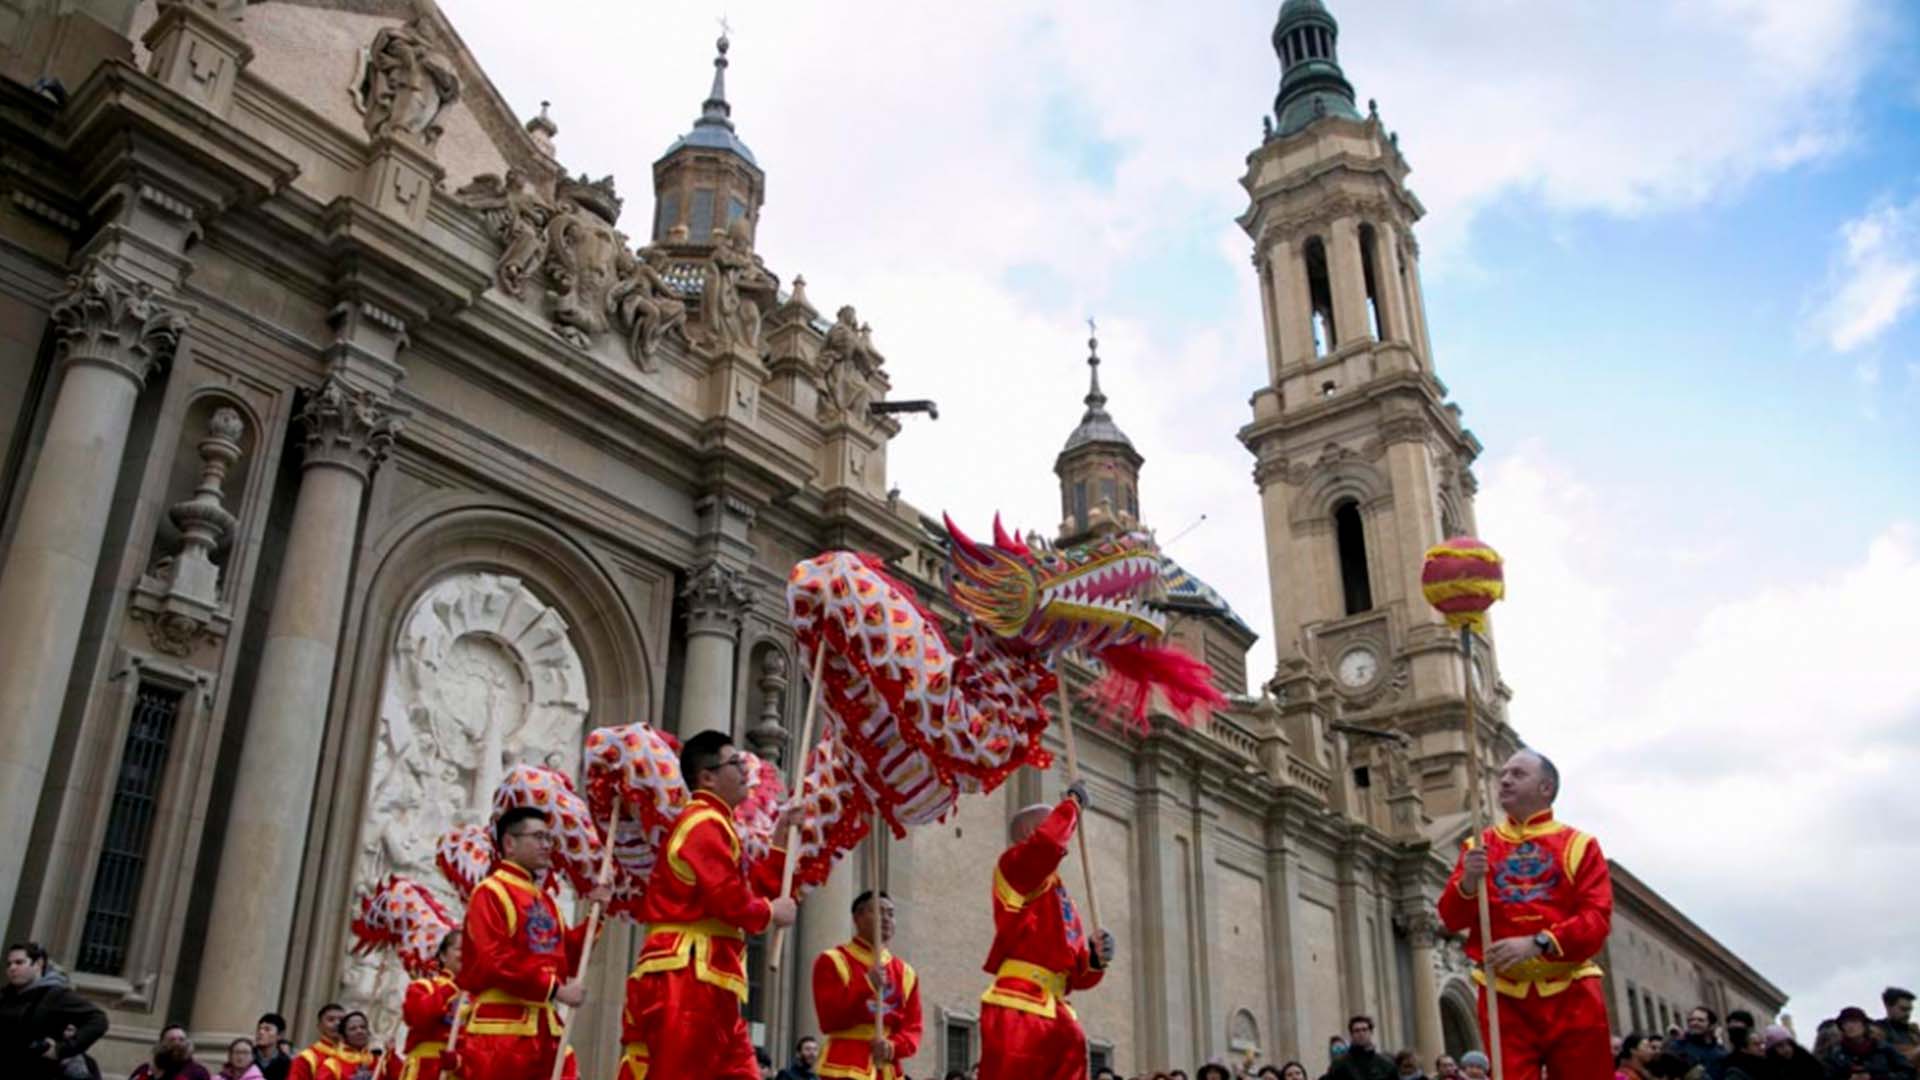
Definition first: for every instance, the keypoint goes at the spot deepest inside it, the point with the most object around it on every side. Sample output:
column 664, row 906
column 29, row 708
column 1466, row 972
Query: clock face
column 1358, row 666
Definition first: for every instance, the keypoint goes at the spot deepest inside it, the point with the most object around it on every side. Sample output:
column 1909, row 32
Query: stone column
column 1417, row 303
column 1393, row 294
column 1423, row 933
column 717, row 601
column 1348, row 281
column 348, row 432
column 111, row 335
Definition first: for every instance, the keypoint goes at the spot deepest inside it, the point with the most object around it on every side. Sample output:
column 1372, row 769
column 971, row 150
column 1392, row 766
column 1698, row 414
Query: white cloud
column 1748, row 757
column 1874, row 281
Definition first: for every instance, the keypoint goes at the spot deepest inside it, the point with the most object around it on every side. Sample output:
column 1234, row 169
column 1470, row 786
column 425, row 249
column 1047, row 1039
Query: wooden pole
column 1073, row 773
column 1477, row 782
column 804, row 748
column 877, row 882
column 453, row 1033
column 593, row 929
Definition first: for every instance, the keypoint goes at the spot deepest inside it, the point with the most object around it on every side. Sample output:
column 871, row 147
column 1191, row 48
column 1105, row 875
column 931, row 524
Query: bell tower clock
column 1361, row 462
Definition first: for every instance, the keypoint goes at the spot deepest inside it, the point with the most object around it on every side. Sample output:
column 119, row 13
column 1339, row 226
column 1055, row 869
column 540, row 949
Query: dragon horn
column 1010, row 544
column 964, row 542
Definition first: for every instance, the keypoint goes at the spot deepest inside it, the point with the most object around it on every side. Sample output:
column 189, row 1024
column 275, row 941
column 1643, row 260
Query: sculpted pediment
column 367, row 66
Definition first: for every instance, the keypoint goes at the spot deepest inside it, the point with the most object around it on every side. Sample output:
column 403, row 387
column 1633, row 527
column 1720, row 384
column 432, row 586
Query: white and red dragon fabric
column 402, row 915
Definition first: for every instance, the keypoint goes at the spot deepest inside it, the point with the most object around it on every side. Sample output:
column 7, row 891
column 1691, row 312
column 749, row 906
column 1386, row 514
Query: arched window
column 1320, row 296
column 1350, row 535
column 1370, row 253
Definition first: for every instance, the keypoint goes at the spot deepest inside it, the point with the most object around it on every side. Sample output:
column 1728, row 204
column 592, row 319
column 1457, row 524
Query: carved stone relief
column 564, row 243
column 483, row 676
column 847, row 361
column 738, row 291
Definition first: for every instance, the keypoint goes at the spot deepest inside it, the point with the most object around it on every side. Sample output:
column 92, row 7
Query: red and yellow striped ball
column 1462, row 578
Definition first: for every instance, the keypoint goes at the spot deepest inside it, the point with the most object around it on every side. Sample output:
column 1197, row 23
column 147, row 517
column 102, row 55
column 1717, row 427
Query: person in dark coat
column 45, row 1028
column 1788, row 1060
column 1862, row 1054
column 1362, row 1061
column 1748, row 1059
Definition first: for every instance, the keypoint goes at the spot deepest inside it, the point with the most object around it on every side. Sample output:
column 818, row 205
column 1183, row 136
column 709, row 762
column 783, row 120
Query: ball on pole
column 1461, row 578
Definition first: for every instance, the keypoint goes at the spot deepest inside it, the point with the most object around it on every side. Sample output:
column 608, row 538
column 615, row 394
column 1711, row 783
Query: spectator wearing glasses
column 1362, row 1061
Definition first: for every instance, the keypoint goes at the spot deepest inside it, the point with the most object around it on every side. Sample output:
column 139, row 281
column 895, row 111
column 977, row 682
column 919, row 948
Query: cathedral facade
column 352, row 450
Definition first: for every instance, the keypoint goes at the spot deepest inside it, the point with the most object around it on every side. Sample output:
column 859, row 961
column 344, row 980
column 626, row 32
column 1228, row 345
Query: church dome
column 1311, row 82
column 714, row 129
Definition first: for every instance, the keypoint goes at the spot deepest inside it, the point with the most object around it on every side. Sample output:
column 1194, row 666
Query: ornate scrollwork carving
column 717, row 600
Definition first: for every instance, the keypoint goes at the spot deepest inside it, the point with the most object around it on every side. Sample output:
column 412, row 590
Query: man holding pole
column 1550, row 903
column 683, row 1020
column 845, row 1002
column 517, row 959
column 1040, row 953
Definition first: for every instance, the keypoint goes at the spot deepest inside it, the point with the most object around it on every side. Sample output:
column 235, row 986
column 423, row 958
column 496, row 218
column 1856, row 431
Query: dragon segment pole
column 1073, row 774
column 586, row 947
column 877, row 882
column 805, row 747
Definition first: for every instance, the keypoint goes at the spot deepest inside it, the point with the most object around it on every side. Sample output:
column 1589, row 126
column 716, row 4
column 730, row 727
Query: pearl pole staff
column 1461, row 578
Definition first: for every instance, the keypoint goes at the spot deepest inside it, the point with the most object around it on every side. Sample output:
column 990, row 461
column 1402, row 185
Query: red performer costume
column 1039, row 954
column 843, row 1001
column 1552, row 895
column 429, row 1010
column 306, row 1063
column 682, row 1020
column 517, row 953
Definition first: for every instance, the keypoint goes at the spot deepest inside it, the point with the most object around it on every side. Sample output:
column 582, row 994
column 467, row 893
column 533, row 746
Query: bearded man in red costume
column 1552, row 907
column 683, row 1020
column 518, row 958
column 1040, row 953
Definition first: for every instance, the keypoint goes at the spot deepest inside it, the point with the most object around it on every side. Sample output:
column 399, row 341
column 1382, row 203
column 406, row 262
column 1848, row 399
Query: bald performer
column 1040, row 953
column 1552, row 907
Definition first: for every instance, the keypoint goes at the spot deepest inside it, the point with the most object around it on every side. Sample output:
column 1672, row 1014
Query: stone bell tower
column 708, row 178
column 1361, row 462
column 1099, row 469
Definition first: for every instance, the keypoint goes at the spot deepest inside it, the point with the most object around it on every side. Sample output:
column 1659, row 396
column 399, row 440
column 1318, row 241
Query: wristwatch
column 1544, row 942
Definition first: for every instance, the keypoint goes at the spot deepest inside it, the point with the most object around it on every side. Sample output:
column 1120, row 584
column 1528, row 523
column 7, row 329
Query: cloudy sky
column 1672, row 258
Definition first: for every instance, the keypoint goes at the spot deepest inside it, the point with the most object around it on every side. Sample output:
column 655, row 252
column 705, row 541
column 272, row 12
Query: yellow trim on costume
column 908, row 980
column 1576, row 851
column 1555, row 938
column 1014, row 900
column 1542, row 977
column 418, row 1057
column 506, row 903
column 694, row 947
column 527, row 1023
column 635, row 1060
column 1053, row 989
column 1540, row 824
column 840, row 964
column 695, row 815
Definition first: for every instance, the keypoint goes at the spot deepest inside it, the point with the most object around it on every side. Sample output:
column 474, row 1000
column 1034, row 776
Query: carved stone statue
column 518, row 216
column 405, row 83
column 483, row 675
column 847, row 359
column 731, row 304
column 645, row 306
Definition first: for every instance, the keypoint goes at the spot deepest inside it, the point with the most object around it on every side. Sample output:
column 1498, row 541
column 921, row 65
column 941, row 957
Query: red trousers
column 512, row 1057
column 679, row 1028
column 1017, row 1045
column 1567, row 1033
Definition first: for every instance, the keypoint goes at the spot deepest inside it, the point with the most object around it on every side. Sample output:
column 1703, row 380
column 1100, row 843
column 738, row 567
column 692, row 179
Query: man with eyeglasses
column 684, row 996
column 518, row 959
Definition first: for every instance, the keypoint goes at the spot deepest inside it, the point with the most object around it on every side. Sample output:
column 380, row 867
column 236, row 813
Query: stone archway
column 483, row 675
column 1459, row 1022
